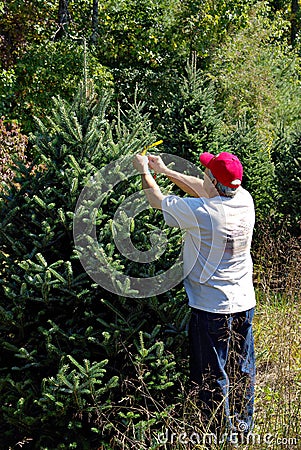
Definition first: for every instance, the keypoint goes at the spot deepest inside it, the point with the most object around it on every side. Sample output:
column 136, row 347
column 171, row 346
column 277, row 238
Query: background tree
column 190, row 122
column 22, row 23
column 259, row 177
column 291, row 9
column 286, row 154
column 149, row 42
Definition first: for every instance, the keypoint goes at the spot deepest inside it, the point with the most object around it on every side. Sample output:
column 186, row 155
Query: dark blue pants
column 222, row 363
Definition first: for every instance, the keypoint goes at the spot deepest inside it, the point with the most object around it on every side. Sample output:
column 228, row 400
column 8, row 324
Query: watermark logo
column 96, row 260
column 242, row 426
column 233, row 437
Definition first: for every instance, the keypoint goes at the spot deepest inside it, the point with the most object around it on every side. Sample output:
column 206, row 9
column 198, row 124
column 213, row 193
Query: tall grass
column 278, row 398
column 278, row 341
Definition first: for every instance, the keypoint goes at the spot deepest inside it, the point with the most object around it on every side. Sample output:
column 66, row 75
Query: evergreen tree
column 259, row 171
column 286, row 155
column 191, row 123
column 74, row 356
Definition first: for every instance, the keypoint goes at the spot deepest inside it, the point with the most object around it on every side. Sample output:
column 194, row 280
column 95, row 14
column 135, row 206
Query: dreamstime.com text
column 234, row 438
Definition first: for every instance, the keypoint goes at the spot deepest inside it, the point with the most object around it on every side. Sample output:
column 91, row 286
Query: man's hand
column 156, row 164
column 140, row 163
column 149, row 185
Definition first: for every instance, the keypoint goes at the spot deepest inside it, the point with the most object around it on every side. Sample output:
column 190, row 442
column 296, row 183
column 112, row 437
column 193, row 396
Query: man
column 218, row 219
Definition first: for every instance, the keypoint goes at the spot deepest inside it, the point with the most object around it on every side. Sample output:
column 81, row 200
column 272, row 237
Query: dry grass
column 278, row 395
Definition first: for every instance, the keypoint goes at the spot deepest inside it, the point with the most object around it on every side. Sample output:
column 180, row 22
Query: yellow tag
column 150, row 146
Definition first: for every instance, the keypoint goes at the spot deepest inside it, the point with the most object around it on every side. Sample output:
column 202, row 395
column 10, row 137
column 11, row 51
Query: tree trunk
column 95, row 35
column 294, row 21
column 63, row 19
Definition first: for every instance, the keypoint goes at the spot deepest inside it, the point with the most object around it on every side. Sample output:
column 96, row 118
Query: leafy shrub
column 43, row 72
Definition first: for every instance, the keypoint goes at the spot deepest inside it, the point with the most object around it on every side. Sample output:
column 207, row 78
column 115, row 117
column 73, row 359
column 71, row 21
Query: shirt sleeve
column 177, row 212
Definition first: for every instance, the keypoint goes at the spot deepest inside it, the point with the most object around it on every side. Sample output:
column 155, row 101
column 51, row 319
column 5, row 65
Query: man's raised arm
column 191, row 185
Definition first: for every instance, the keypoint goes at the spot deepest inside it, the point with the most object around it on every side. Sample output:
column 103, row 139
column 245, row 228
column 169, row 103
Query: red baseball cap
column 225, row 167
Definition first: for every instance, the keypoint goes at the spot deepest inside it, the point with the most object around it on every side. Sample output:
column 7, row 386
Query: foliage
column 149, row 44
column 286, row 154
column 145, row 42
column 55, row 68
column 257, row 74
column 22, row 23
column 136, row 33
column 203, row 26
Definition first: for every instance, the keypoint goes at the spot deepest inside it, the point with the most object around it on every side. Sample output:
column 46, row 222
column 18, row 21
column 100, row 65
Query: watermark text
column 250, row 438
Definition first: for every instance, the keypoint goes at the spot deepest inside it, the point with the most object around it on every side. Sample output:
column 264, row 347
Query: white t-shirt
column 218, row 268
